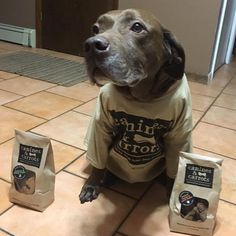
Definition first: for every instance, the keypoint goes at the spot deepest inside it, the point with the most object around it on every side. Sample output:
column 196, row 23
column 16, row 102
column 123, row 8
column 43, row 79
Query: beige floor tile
column 82, row 91
column 82, row 168
column 6, row 97
column 228, row 191
column 215, row 139
column 196, row 116
column 69, row 128
column 87, row 108
column 5, row 160
column 221, row 116
column 204, row 89
column 66, row 216
column 227, row 101
column 6, row 75
column 201, row 103
column 222, row 77
column 231, row 88
column 4, row 190
column 135, row 190
column 45, row 105
column 24, row 86
column 150, row 217
column 226, row 215
column 63, row 154
column 11, row 120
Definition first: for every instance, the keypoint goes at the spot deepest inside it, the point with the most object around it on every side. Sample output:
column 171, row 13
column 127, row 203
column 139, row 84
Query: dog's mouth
column 99, row 77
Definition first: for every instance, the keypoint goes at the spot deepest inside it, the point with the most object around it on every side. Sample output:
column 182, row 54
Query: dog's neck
column 151, row 88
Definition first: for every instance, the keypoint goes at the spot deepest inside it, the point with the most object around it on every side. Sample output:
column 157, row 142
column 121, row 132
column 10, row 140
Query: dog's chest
column 138, row 128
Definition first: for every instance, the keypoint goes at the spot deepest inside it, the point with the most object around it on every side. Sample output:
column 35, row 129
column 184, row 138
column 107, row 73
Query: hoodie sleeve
column 99, row 136
column 179, row 138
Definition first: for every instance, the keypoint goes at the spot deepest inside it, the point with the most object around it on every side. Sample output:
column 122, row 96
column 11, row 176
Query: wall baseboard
column 19, row 35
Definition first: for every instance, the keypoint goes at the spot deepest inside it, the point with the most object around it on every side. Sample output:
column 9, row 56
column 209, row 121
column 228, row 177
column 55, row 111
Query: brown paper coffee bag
column 32, row 172
column 195, row 195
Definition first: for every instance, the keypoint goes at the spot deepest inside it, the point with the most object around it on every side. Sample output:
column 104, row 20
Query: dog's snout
column 101, row 44
column 98, row 44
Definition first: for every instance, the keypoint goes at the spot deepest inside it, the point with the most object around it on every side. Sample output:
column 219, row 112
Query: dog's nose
column 98, row 44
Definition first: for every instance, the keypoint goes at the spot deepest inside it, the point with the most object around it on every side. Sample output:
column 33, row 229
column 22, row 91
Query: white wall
column 194, row 22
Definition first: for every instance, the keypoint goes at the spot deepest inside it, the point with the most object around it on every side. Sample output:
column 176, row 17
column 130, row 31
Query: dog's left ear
column 175, row 63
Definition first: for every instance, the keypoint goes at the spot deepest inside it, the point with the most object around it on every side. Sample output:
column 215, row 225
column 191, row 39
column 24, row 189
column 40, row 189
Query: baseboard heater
column 19, row 35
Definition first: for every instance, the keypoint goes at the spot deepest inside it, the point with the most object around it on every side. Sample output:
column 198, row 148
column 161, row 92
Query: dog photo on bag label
column 143, row 116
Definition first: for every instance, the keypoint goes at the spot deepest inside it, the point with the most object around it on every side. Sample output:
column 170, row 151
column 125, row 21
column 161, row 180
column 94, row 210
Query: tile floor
column 132, row 210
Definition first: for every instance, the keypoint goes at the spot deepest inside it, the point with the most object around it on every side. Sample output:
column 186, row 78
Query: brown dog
column 143, row 115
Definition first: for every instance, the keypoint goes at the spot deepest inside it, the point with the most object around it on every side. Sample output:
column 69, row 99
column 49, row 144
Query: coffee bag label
column 199, row 175
column 30, row 155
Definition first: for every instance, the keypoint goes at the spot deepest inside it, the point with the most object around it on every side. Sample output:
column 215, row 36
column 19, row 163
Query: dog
column 143, row 117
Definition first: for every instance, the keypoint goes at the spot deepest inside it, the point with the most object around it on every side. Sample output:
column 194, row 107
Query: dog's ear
column 175, row 63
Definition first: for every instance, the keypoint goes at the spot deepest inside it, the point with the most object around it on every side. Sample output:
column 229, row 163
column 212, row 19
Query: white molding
column 19, row 35
column 217, row 40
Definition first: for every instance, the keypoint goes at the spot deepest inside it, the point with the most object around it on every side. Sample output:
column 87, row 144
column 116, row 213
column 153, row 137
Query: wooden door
column 63, row 25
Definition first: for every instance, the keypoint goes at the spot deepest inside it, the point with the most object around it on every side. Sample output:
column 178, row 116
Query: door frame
column 38, row 23
column 217, row 39
column 232, row 38
column 229, row 40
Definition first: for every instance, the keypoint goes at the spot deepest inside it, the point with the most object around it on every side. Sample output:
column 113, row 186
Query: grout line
column 104, row 187
column 6, row 232
column 220, row 126
column 203, row 95
column 231, row 158
column 231, row 203
column 73, row 161
column 119, row 192
column 194, row 109
column 46, row 119
column 17, row 94
column 121, row 234
column 212, row 104
column 9, row 182
column 71, row 173
column 231, row 109
column 133, row 208
column 25, row 113
column 83, row 113
column 7, row 209
column 67, row 144
column 22, row 95
column 5, row 141
column 64, row 96
column 228, row 94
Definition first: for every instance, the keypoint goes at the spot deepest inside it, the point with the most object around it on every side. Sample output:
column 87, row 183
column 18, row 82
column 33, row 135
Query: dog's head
column 131, row 48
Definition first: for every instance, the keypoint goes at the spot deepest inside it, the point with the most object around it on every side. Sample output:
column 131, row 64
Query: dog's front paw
column 89, row 193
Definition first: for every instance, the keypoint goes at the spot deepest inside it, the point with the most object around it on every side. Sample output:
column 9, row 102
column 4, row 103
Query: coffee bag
column 32, row 172
column 195, row 195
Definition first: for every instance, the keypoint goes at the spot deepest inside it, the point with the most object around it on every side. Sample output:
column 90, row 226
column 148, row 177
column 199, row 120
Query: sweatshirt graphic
column 139, row 139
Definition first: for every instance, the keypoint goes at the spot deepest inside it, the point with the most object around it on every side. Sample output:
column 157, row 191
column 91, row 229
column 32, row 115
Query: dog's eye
column 95, row 29
column 137, row 27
